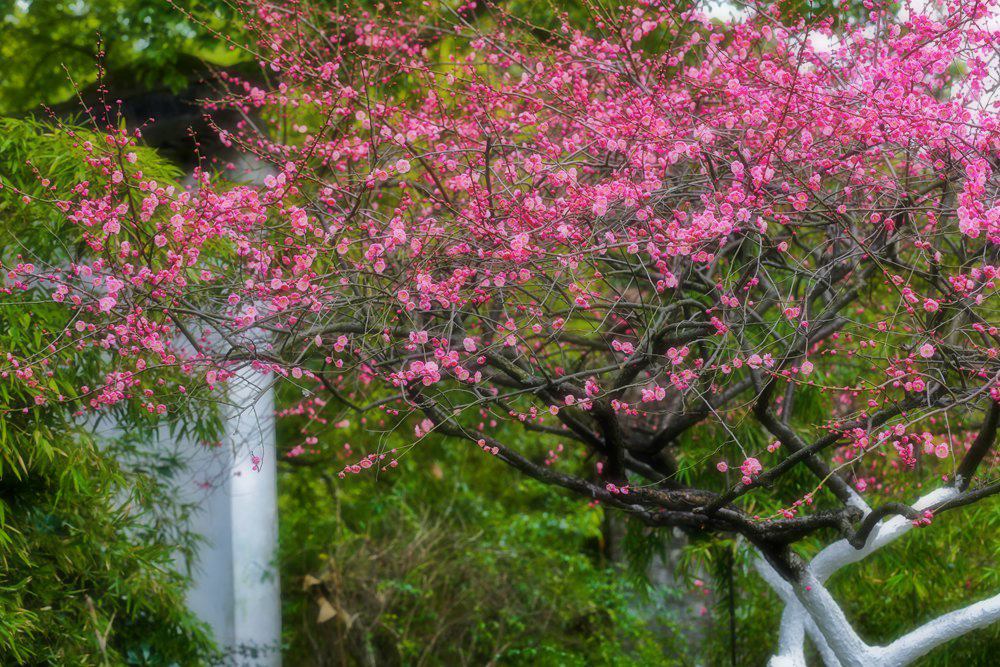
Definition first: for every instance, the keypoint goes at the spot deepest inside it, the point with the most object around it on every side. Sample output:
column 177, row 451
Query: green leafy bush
column 88, row 536
column 450, row 559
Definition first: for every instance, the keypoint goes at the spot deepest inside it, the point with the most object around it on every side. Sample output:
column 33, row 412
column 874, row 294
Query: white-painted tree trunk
column 810, row 611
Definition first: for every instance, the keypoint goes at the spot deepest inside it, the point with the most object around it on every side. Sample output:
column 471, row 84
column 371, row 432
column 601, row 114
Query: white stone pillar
column 254, row 519
column 236, row 585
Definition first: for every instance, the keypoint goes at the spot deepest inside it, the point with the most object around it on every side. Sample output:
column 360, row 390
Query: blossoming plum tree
column 665, row 262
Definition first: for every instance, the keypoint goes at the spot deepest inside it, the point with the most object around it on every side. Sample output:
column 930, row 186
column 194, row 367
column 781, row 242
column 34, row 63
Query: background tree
column 142, row 44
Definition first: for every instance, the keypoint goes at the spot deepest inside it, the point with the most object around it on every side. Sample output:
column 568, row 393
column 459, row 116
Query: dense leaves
column 88, row 536
column 52, row 48
column 460, row 566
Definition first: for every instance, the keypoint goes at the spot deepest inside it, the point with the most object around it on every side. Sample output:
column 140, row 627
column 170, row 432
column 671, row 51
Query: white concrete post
column 254, row 518
column 236, row 586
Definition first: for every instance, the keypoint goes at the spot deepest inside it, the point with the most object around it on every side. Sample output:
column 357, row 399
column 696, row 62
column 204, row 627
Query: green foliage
column 146, row 44
column 453, row 559
column 87, row 542
column 84, row 581
column 40, row 160
column 85, row 572
column 739, row 600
